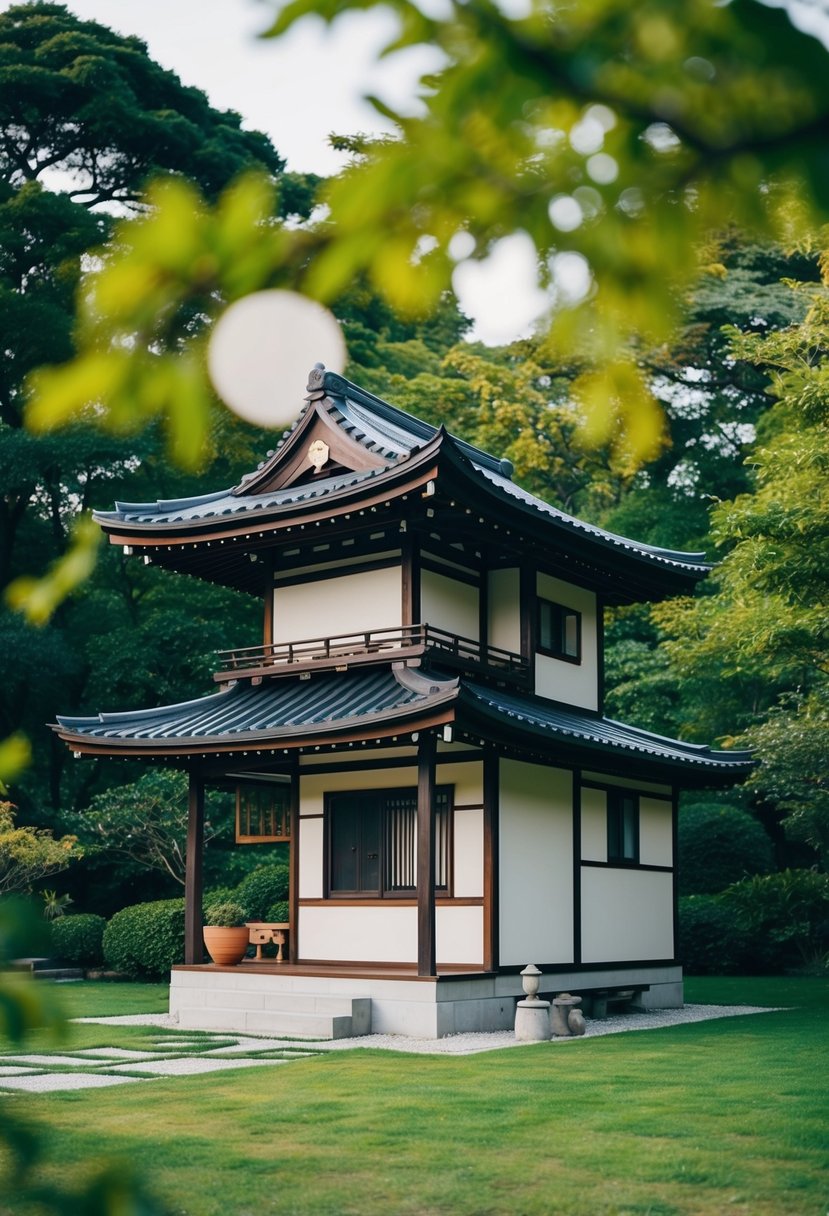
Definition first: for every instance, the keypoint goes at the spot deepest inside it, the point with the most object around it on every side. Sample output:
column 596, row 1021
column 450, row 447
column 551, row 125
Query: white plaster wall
column 626, row 915
column 575, row 683
column 593, row 825
column 655, row 832
column 505, row 610
column 535, row 844
column 349, row 603
column 384, row 934
column 467, row 780
column 459, row 935
column 310, row 859
column 449, row 604
column 469, row 854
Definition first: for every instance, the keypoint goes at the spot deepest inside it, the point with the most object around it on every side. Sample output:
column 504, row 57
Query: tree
column 762, row 637
column 28, row 854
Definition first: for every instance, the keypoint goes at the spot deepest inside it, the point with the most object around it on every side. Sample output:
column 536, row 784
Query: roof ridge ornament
column 316, row 381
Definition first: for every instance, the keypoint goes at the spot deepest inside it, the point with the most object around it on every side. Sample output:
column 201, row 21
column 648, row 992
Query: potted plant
column 225, row 933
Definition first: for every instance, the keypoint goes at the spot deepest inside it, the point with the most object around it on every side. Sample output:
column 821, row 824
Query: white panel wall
column 593, row 825
column 449, row 604
column 505, row 610
column 535, row 848
column 626, row 915
column 459, row 935
column 349, row 603
column 469, row 854
column 574, row 683
column 384, row 934
column 310, row 859
column 655, row 832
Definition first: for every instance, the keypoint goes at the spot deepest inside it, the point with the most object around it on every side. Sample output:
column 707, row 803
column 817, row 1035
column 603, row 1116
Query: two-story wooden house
column 423, row 722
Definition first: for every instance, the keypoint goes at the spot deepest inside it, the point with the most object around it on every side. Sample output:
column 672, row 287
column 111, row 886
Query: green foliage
column 262, row 887
column 785, row 916
column 708, row 942
column 145, row 940
column 30, row 854
column 555, row 125
column 79, row 939
column 229, row 915
column 54, row 905
column 278, row 913
column 718, row 845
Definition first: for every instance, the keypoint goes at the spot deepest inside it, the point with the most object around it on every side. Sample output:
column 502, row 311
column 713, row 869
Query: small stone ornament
column 532, row 1016
column 563, row 1005
column 318, row 454
column 575, row 1022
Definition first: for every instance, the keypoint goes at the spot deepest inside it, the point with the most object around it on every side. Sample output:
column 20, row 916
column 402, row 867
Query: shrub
column 718, row 845
column 709, row 943
column 219, row 895
column 786, row 918
column 261, row 888
column 79, row 939
column 278, row 912
column 228, row 915
column 146, row 940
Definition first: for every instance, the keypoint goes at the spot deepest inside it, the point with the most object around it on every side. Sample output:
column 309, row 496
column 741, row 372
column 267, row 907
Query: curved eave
column 591, row 741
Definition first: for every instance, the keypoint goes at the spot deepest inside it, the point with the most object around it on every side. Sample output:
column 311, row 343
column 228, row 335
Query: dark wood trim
column 410, row 589
column 483, row 608
column 527, row 615
column 193, row 879
column 674, row 847
column 577, row 864
column 468, row 577
column 317, row 815
column 491, row 913
column 383, row 901
column 590, row 784
column 334, row 571
column 627, row 865
column 362, row 764
column 267, row 625
column 293, row 881
column 468, row 806
column 426, row 956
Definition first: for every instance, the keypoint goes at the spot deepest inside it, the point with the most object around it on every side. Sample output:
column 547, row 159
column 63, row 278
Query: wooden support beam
column 491, row 915
column 193, row 918
column 293, row 888
column 426, row 956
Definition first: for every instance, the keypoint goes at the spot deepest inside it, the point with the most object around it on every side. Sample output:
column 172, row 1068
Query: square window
column 372, row 842
column 559, row 631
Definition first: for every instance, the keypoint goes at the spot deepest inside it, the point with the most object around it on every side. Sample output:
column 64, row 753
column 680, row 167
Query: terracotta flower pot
column 226, row 947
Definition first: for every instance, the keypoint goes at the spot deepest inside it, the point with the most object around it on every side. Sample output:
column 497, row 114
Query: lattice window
column 263, row 813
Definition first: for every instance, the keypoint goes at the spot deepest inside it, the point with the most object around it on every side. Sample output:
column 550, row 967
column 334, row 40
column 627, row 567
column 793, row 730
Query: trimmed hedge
column 261, row 888
column 719, row 845
column 78, row 939
column 145, row 940
column 278, row 912
column 709, row 943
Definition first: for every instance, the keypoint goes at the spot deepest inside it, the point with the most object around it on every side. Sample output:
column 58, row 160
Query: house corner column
column 194, row 858
column 426, row 954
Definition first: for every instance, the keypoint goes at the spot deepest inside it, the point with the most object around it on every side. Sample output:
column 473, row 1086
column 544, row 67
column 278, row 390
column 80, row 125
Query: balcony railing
column 374, row 646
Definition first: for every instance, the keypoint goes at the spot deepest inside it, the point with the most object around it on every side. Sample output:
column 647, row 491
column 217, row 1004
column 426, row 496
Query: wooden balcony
column 405, row 644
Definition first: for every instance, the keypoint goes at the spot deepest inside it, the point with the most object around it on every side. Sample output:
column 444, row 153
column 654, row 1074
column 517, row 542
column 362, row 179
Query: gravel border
column 463, row 1044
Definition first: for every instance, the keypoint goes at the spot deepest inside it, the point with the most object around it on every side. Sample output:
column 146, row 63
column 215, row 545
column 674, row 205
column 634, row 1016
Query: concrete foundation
column 327, row 1006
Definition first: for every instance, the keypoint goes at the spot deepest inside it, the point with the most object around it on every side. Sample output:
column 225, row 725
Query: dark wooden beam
column 293, row 884
column 193, row 918
column 426, row 955
column 490, row 959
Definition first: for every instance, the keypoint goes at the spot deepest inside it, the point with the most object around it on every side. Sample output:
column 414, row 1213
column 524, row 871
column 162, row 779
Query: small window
column 263, row 813
column 559, row 631
column 622, row 826
column 372, row 842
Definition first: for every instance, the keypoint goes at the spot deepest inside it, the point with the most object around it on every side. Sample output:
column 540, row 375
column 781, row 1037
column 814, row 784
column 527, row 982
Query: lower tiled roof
column 293, row 708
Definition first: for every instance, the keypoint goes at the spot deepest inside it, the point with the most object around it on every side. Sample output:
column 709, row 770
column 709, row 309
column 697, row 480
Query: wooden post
column 193, row 918
column 426, row 749
column 491, row 813
column 293, row 888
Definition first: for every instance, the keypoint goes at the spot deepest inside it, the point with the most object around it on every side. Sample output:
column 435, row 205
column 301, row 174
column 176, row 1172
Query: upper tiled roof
column 396, row 437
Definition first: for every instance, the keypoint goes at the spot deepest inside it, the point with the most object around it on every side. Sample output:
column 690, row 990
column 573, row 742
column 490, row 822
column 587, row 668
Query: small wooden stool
column 261, row 932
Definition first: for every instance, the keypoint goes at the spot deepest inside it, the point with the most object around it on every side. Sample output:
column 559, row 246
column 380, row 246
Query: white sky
column 300, row 88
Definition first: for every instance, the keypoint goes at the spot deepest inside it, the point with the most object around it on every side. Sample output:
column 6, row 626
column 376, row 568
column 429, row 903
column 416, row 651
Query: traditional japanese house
column 423, row 723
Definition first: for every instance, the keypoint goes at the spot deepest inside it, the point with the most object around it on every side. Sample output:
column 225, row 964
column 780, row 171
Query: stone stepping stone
column 159, row 1043
column 185, row 1066
column 12, row 1071
column 51, row 1082
column 117, row 1053
column 252, row 1045
column 53, row 1061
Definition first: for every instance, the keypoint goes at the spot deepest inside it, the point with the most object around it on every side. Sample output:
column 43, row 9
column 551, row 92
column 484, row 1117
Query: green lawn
column 701, row 1119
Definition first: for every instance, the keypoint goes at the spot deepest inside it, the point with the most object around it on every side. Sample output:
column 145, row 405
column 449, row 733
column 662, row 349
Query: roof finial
column 316, row 378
